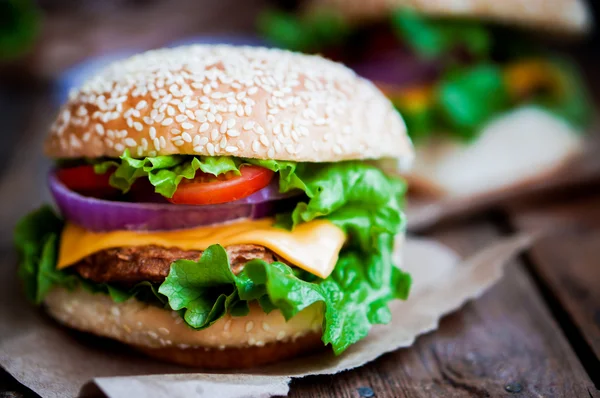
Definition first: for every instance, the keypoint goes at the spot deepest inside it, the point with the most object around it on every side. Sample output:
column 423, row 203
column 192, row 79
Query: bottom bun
column 238, row 358
column 522, row 146
column 231, row 342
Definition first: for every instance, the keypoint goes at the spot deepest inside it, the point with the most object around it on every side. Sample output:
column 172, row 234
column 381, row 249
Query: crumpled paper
column 55, row 362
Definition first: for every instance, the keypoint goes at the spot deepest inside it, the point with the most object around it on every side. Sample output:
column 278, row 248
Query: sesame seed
column 163, row 331
column 266, row 326
column 138, row 126
column 255, row 146
column 167, row 122
column 264, row 140
column 204, row 127
column 130, row 142
column 231, row 149
column 118, row 147
column 81, row 111
column 249, row 326
column 233, row 133
column 99, row 129
column 187, row 125
column 180, row 118
column 248, row 125
column 280, row 335
column 210, row 148
column 153, row 133
column 214, row 134
column 178, row 142
column 227, row 325
column 163, row 142
column 186, row 137
column 223, row 128
column 175, row 131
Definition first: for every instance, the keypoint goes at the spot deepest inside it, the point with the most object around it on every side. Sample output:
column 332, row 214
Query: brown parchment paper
column 55, row 362
column 581, row 170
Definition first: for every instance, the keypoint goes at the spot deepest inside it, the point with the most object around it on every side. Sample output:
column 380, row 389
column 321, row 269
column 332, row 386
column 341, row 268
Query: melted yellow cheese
column 313, row 246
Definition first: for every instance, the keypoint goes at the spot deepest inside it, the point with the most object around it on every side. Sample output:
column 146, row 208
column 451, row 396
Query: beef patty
column 129, row 265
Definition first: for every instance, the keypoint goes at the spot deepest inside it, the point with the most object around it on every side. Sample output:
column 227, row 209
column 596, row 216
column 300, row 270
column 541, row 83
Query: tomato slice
column 84, row 180
column 206, row 189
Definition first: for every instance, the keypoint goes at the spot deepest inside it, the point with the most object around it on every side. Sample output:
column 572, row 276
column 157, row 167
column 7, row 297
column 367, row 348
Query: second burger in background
column 486, row 105
column 220, row 207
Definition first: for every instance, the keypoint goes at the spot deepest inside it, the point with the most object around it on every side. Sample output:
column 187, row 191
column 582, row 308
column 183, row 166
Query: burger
column 488, row 105
column 220, row 207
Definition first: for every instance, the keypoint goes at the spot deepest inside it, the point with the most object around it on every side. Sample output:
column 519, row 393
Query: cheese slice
column 313, row 246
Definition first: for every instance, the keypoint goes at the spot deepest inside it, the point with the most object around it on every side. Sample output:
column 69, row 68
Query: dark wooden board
column 567, row 260
column 505, row 340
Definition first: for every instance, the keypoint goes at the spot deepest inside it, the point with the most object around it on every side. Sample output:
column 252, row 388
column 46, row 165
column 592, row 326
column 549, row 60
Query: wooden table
column 535, row 334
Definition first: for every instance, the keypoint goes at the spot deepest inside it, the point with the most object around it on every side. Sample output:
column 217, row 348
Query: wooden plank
column 567, row 260
column 505, row 340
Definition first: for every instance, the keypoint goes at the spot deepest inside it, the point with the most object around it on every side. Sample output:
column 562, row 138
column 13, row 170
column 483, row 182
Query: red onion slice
column 107, row 215
column 399, row 68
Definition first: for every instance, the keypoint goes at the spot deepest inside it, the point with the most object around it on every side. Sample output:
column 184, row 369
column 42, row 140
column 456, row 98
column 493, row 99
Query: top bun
column 566, row 16
column 229, row 101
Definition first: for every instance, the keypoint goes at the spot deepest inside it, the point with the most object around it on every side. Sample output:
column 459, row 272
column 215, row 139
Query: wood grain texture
column 507, row 337
column 567, row 259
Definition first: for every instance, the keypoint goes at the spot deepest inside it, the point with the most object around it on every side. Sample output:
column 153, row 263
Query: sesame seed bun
column 229, row 101
column 565, row 16
column 231, row 342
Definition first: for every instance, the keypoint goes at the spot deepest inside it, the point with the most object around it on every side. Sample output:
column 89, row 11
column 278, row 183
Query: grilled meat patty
column 129, row 265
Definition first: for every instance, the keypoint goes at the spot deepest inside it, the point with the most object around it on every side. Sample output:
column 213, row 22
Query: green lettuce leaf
column 468, row 98
column 36, row 240
column 164, row 172
column 357, row 197
column 353, row 298
column 432, row 38
column 310, row 33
